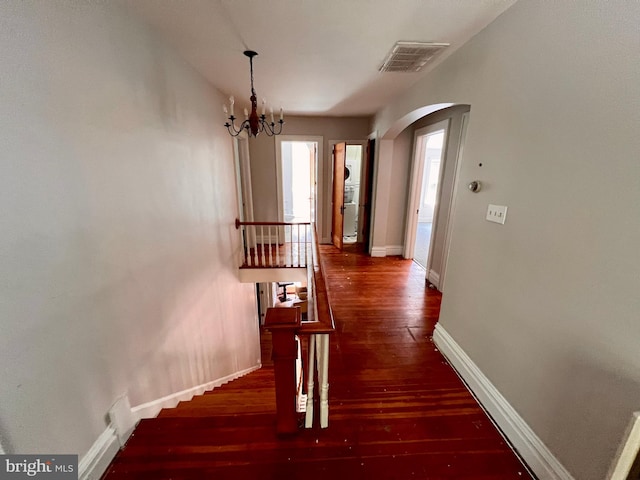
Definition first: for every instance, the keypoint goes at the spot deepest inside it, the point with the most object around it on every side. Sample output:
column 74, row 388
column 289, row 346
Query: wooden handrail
column 284, row 324
column 269, row 224
column 324, row 322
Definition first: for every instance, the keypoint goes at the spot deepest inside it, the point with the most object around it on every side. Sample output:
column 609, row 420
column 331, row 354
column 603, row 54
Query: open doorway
column 296, row 171
column 352, row 203
column 298, row 159
column 429, row 150
column 432, row 150
column 348, row 213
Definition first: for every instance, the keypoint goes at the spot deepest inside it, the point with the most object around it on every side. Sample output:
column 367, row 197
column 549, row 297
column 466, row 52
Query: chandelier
column 253, row 123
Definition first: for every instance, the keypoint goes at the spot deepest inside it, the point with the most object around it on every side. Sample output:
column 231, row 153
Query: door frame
column 242, row 162
column 452, row 204
column 363, row 165
column 318, row 190
column 417, row 172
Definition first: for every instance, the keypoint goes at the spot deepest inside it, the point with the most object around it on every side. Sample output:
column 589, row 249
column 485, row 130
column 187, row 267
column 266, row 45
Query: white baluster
column 245, row 246
column 264, row 260
column 323, row 378
column 278, row 245
column 304, row 247
column 290, row 247
column 298, row 245
column 309, row 245
column 311, row 371
column 255, row 246
column 270, row 249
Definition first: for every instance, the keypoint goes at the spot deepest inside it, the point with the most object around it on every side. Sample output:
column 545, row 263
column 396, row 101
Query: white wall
column 547, row 305
column 399, row 188
column 117, row 196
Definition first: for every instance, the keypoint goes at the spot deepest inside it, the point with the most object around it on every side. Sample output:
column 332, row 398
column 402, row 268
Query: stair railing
column 275, row 244
column 285, row 324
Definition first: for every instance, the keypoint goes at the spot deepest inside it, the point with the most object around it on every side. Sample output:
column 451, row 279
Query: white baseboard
column 393, row 250
column 523, row 439
column 387, row 250
column 96, row 461
column 99, row 456
column 434, row 278
column 151, row 409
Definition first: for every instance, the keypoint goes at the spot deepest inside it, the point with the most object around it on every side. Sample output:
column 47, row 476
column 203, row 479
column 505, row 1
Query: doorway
column 347, row 204
column 243, row 177
column 352, row 203
column 429, row 151
column 296, row 160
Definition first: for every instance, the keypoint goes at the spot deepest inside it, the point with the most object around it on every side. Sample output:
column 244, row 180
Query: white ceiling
column 316, row 57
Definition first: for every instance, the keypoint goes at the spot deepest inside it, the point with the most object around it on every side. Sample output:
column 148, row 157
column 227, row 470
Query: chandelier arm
column 233, row 130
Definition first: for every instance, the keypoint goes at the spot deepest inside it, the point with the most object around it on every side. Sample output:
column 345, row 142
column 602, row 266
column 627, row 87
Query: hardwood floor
column 397, row 409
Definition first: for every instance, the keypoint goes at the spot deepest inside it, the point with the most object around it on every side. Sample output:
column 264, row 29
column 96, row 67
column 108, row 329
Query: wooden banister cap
column 280, row 318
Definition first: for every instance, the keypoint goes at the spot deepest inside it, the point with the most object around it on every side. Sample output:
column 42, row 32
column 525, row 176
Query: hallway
column 397, row 410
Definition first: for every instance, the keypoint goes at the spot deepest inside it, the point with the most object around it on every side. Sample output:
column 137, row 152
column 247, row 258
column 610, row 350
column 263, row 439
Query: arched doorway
column 409, row 126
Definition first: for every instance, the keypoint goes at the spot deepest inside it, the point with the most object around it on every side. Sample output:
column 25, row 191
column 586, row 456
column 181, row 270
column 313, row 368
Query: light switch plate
column 497, row 213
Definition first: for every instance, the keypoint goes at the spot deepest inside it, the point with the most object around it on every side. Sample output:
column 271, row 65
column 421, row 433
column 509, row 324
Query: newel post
column 283, row 322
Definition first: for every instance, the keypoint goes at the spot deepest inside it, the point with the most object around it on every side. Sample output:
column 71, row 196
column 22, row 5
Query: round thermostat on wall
column 475, row 186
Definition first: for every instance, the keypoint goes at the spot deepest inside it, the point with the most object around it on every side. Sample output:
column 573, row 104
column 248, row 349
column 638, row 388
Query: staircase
column 398, row 410
column 220, row 431
column 228, row 433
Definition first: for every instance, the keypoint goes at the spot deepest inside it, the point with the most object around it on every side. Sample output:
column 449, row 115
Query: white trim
column 318, row 177
column 417, row 173
column 243, row 177
column 523, row 439
column 627, row 452
column 96, row 461
column 151, row 409
column 393, row 250
column 434, row 278
column 374, row 189
column 452, row 203
column 387, row 251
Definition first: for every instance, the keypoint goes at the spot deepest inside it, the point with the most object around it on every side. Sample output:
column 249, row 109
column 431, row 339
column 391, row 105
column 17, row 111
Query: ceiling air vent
column 411, row 56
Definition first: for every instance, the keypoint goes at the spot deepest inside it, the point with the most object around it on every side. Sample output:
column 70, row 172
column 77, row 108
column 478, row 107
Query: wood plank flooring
column 397, row 409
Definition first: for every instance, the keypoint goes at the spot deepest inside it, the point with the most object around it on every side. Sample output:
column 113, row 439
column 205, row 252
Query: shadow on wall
column 4, row 444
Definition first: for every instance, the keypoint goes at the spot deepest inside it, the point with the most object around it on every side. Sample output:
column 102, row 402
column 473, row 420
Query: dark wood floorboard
column 397, row 409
